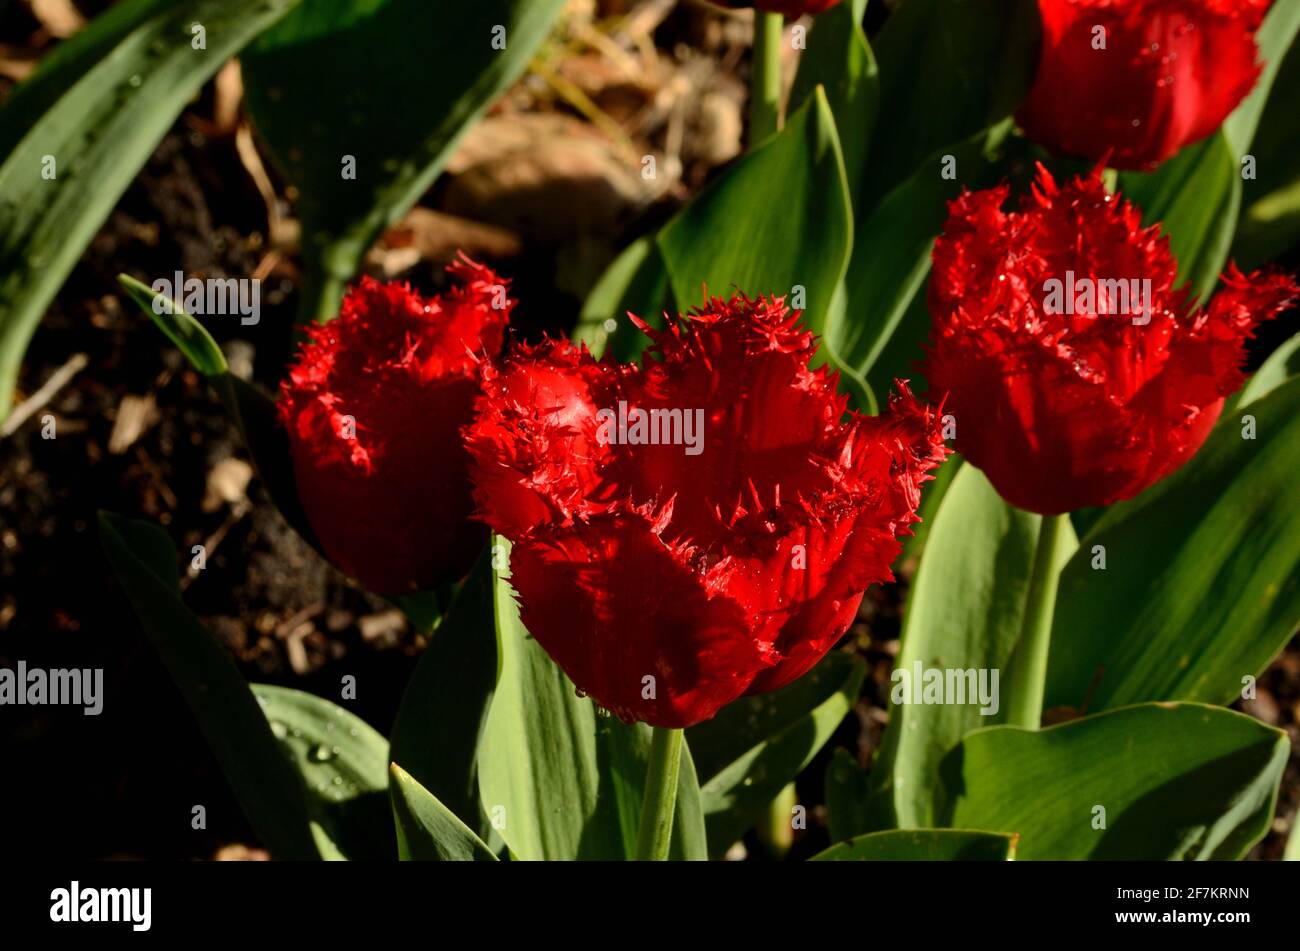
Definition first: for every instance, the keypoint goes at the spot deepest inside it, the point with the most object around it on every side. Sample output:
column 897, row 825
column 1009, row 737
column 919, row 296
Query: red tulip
column 1077, row 374
column 1139, row 79
column 374, row 407
column 789, row 8
column 702, row 525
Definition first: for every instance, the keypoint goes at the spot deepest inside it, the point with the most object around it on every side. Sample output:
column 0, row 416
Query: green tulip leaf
column 427, row 831
column 1200, row 588
column 1276, row 35
column 777, row 222
column 891, row 255
column 190, row 336
column 1292, row 851
column 962, row 65
column 1282, row 364
column 1270, row 220
column 1150, row 782
column 964, row 613
column 848, row 812
column 637, row 283
column 436, row 735
column 1195, row 197
column 839, row 59
column 343, row 764
column 262, row 778
column 923, row 845
column 363, row 101
column 75, row 134
column 556, row 779
column 757, row 745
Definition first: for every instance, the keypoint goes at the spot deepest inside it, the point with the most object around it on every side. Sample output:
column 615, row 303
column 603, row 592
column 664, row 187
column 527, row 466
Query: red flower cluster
column 374, row 407
column 1068, row 403
column 668, row 577
column 1139, row 79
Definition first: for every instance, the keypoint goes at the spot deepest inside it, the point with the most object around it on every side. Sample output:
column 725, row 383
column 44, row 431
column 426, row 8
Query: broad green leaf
column 778, row 222
column 892, row 245
column 636, row 282
column 1195, row 197
column 1276, row 34
column 1175, row 781
column 963, row 613
column 427, row 830
column 97, row 108
column 932, row 494
column 839, row 58
column 343, row 764
column 1270, row 218
column 923, row 845
column 1282, row 364
column 903, row 349
column 1268, row 227
column 392, row 84
column 1201, row 586
column 755, row 746
column 1292, row 853
column 263, row 780
column 847, row 810
column 556, row 779
column 963, row 65
column 190, row 336
column 441, row 719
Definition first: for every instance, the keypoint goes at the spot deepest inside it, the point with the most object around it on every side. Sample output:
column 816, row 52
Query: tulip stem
column 1028, row 672
column 765, row 77
column 656, row 829
column 321, row 295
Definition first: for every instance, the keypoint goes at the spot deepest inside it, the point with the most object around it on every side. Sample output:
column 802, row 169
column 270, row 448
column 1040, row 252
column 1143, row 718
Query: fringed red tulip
column 700, row 526
column 1076, row 372
column 1136, row 80
column 374, row 406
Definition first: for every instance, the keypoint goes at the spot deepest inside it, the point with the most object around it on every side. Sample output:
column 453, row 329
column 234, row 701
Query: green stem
column 1110, row 178
column 765, row 79
column 1029, row 661
column 321, row 294
column 776, row 830
column 656, row 829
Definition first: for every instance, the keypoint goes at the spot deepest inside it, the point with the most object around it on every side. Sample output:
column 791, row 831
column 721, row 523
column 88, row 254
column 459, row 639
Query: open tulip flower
column 1077, row 372
column 1136, row 80
column 700, row 526
column 374, row 407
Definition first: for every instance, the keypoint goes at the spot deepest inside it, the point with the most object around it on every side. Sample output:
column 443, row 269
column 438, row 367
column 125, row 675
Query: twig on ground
column 37, row 400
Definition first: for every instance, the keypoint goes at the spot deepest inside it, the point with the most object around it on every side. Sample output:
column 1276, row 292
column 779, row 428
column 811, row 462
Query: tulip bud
column 374, row 406
column 1138, row 80
column 1077, row 373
